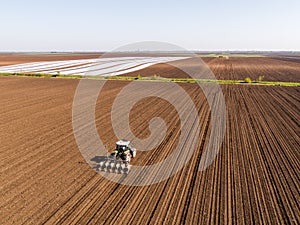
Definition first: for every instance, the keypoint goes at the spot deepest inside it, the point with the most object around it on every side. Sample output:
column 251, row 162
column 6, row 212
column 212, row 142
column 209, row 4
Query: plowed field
column 272, row 69
column 44, row 178
column 18, row 58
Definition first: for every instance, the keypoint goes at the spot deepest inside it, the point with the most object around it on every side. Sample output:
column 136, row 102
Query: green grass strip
column 155, row 79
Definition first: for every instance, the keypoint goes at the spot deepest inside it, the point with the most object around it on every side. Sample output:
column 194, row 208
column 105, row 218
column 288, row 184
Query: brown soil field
column 18, row 58
column 232, row 69
column 45, row 180
column 240, row 68
column 295, row 59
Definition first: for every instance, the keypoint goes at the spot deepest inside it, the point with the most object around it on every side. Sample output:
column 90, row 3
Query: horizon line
column 149, row 51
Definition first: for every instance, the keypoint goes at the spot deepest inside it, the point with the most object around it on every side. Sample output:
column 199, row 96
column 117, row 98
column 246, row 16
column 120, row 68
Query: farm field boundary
column 156, row 79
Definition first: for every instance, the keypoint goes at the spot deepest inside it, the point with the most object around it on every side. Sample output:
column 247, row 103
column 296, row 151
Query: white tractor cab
column 123, row 147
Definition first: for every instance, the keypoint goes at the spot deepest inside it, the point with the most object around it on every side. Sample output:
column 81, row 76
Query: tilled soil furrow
column 253, row 180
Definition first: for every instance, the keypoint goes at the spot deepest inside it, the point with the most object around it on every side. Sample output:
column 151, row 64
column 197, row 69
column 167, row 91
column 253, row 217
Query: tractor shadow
column 99, row 159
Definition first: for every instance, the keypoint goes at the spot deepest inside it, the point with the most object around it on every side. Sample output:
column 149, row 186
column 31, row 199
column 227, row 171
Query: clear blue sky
column 86, row 25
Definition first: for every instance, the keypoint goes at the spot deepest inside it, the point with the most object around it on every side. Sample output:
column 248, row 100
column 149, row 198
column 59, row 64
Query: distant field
column 272, row 69
column 236, row 67
column 232, row 55
column 18, row 58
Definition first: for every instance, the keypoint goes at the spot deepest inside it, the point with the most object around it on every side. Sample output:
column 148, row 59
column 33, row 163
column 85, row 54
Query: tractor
column 119, row 159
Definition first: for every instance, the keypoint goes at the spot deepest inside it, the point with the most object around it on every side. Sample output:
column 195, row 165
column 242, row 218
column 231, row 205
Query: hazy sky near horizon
column 91, row 25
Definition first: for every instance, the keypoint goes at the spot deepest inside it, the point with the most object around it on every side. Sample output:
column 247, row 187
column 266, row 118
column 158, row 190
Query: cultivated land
column 254, row 179
column 238, row 68
column 277, row 68
column 17, row 58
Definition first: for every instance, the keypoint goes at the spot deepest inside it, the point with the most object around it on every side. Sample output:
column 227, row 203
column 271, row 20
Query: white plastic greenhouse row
column 90, row 67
